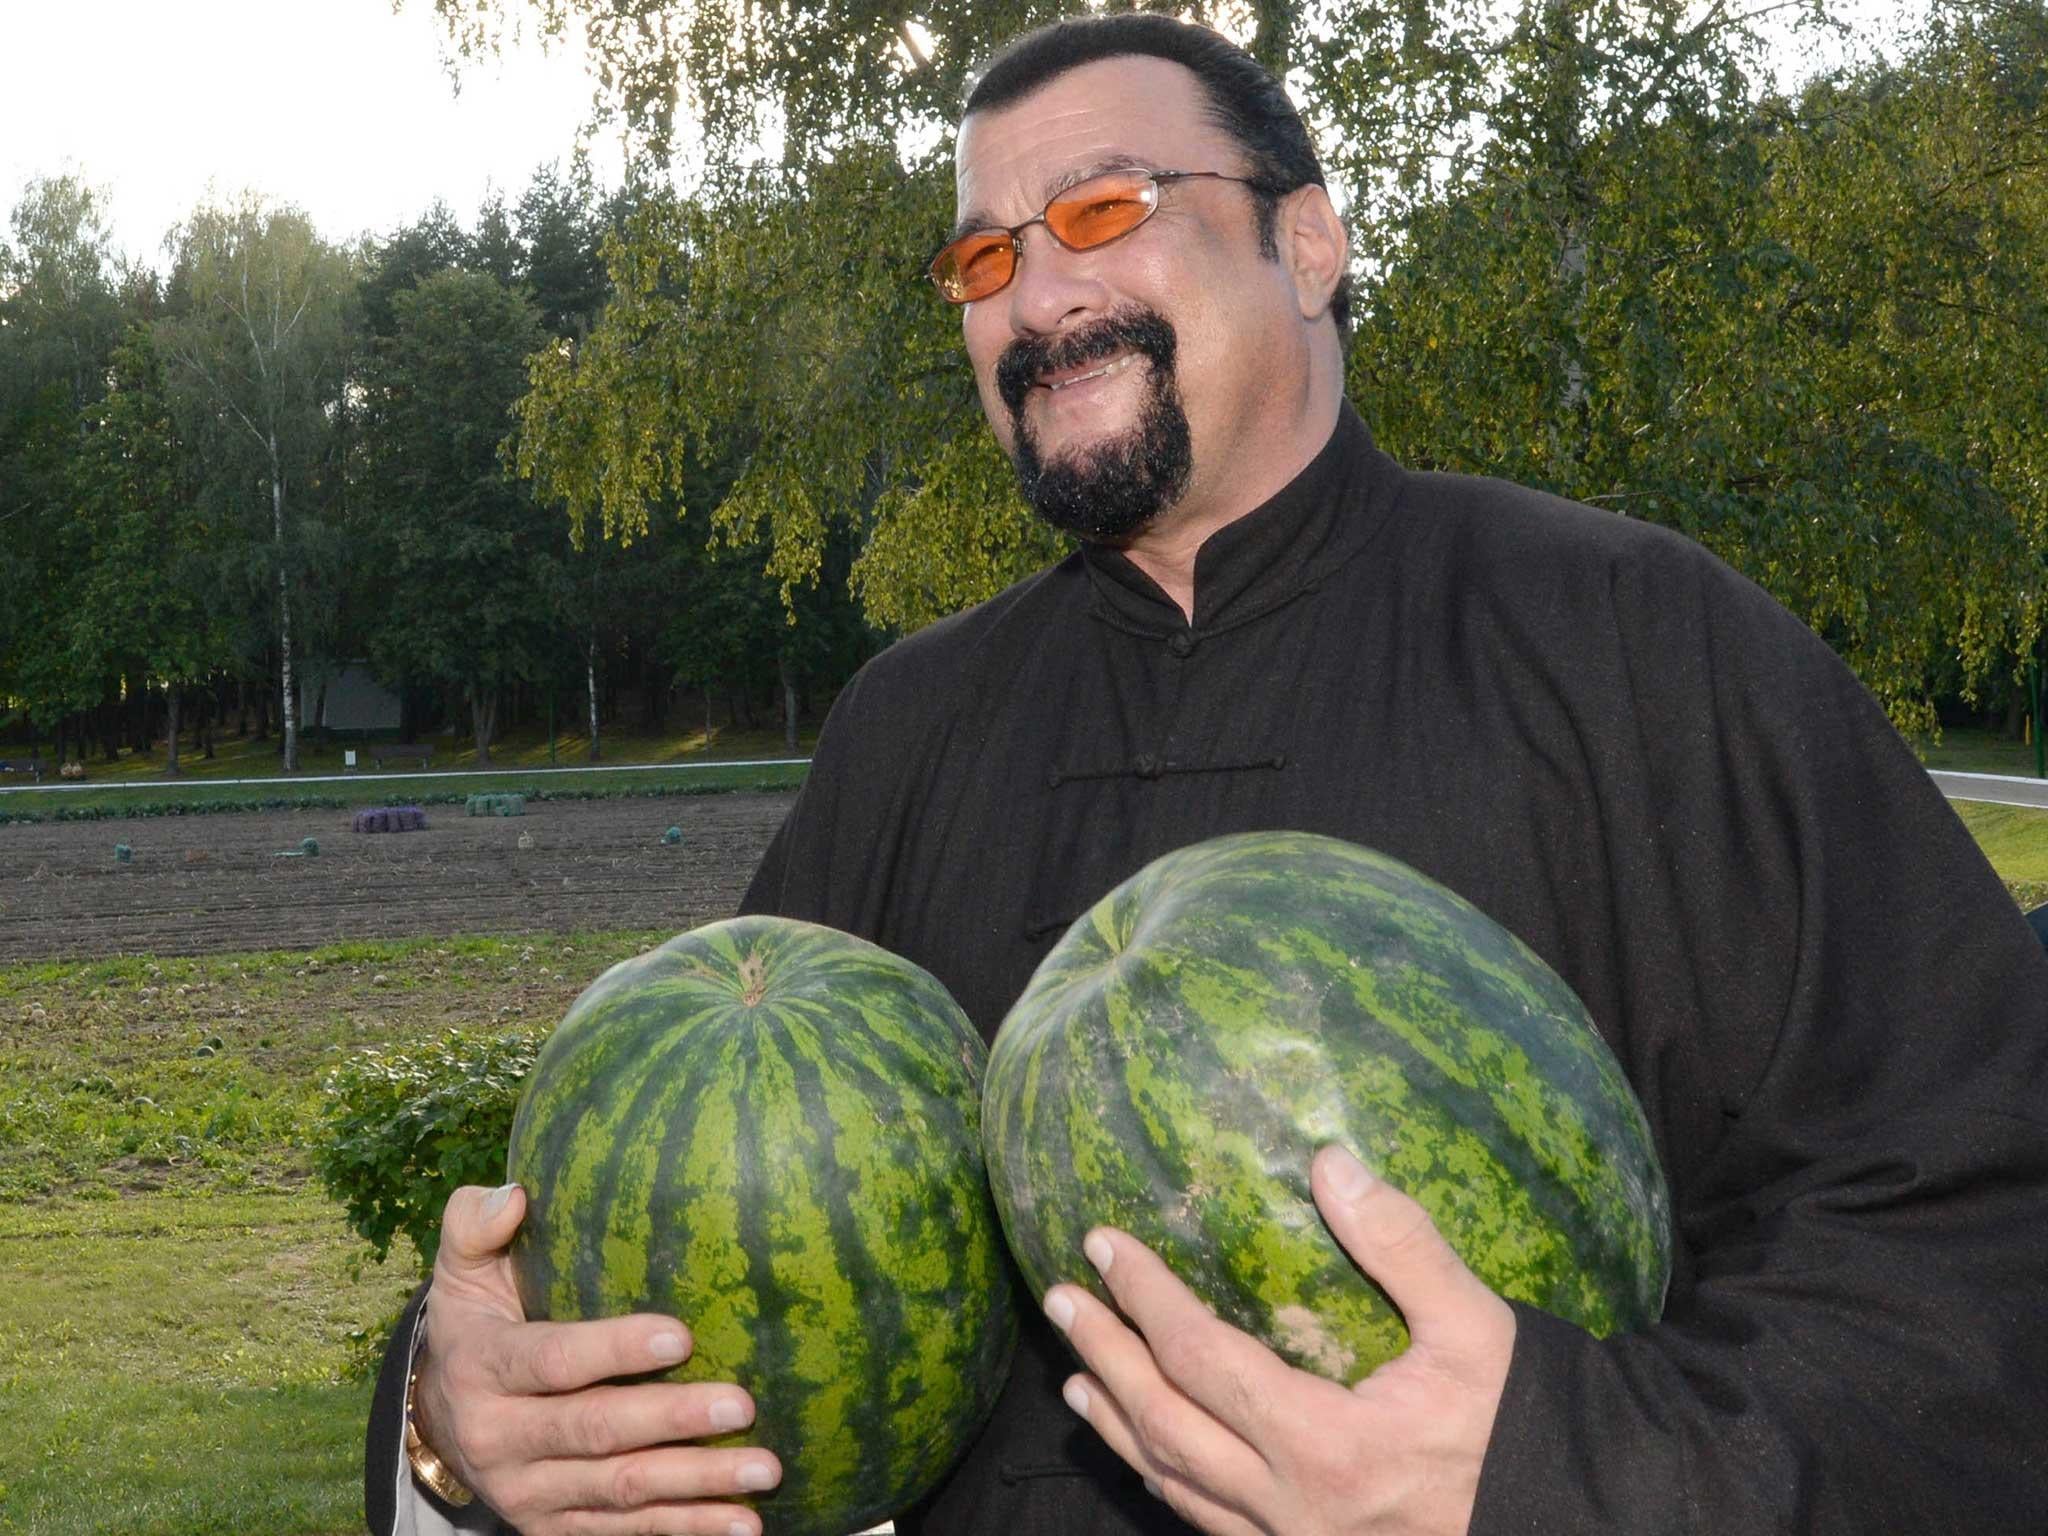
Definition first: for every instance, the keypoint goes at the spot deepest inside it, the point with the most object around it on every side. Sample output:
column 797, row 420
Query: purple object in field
column 390, row 818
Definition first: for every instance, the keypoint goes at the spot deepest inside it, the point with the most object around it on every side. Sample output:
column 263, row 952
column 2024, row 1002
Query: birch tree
column 257, row 354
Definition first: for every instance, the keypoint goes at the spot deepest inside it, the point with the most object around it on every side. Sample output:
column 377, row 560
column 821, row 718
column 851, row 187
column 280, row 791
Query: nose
column 1052, row 285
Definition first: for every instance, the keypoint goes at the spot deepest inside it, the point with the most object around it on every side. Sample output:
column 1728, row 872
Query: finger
column 528, row 1359
column 1232, row 1375
column 477, row 1226
column 1393, row 1240
column 669, row 1475
column 1169, row 1427
column 605, row 1421
column 664, row 1520
column 1088, row 1397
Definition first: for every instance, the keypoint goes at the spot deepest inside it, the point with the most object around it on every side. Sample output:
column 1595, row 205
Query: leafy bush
column 407, row 1126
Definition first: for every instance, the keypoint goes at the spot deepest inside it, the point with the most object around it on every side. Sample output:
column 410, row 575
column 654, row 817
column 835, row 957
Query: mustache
column 1141, row 330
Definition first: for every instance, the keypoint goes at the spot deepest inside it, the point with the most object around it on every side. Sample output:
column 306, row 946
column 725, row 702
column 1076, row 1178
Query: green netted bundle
column 123, row 853
column 496, row 805
column 672, row 836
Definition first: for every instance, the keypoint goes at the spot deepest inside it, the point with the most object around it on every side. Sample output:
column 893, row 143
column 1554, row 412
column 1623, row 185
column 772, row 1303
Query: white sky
column 338, row 106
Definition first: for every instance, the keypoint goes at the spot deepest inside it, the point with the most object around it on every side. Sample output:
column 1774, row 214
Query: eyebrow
column 976, row 219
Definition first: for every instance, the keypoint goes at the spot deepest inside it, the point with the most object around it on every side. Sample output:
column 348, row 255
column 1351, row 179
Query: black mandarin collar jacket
column 1631, row 757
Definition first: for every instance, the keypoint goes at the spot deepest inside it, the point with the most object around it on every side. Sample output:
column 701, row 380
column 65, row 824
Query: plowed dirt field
column 202, row 884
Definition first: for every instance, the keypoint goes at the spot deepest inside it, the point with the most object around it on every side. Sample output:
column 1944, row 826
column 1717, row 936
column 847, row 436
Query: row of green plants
column 762, row 779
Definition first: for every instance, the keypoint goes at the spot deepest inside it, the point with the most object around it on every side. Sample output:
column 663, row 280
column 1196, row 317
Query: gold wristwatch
column 430, row 1470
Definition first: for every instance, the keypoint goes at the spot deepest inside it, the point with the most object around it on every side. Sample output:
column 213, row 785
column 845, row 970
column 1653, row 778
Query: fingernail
column 494, row 1202
column 1076, row 1396
column 756, row 1475
column 729, row 1413
column 668, row 1348
column 1154, row 1489
column 1059, row 1306
column 1100, row 1254
column 1348, row 1176
column 739, row 1528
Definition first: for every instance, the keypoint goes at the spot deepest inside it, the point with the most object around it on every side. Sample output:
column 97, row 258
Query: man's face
column 1124, row 378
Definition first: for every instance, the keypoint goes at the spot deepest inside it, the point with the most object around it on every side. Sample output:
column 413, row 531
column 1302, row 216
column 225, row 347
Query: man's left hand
column 1237, row 1441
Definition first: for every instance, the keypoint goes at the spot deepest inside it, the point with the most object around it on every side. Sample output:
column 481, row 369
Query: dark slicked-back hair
column 1244, row 100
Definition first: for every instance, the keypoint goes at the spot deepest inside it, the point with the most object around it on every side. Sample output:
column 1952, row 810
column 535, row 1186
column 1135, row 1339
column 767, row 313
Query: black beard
column 1112, row 490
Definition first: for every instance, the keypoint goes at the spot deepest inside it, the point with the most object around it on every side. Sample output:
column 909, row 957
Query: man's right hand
column 524, row 1415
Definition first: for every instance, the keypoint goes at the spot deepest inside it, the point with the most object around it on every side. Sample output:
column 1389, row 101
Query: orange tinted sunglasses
column 1094, row 212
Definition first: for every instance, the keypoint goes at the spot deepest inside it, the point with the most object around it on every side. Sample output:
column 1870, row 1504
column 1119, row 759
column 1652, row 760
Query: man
column 1620, row 750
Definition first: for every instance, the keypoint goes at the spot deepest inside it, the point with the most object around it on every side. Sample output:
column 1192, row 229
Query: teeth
column 1082, row 378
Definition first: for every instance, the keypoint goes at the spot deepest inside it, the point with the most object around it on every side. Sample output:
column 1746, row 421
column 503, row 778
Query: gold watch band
column 431, row 1471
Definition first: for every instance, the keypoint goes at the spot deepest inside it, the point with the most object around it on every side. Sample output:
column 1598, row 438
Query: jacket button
column 1182, row 643
column 1147, row 767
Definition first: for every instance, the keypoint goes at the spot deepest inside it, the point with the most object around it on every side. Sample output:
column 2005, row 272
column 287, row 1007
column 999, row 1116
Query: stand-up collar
column 1312, row 525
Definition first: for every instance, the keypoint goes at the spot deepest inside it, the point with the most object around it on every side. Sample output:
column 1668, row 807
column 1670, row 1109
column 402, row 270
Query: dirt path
column 208, row 883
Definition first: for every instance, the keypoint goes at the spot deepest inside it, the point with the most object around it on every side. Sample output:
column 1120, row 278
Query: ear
column 1314, row 246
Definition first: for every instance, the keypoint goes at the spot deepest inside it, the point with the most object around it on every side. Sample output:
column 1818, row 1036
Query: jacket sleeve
column 1859, row 1339
column 394, row 1504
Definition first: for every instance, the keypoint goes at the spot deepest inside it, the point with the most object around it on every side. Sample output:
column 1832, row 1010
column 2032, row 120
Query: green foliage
column 466, row 578
column 1594, row 251
column 1774, row 338
column 407, row 1126
column 257, row 355
column 60, row 320
column 149, row 587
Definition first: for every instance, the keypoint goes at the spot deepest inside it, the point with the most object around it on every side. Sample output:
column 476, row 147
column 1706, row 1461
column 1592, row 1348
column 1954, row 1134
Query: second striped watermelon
column 1183, row 1051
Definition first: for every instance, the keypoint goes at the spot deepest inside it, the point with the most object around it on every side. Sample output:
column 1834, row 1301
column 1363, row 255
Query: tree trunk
column 284, row 614
column 171, row 768
column 707, row 714
column 483, row 709
column 1567, row 90
column 590, row 675
column 788, row 705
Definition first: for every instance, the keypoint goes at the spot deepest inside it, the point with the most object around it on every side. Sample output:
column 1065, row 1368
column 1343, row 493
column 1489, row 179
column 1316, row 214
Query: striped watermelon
column 1183, row 1051
column 771, row 1130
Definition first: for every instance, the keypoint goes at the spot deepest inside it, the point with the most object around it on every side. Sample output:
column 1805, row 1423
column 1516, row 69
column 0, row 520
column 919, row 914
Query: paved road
column 1998, row 788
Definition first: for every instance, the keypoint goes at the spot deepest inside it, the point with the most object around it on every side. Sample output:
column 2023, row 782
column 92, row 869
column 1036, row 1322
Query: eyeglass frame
column 1015, row 232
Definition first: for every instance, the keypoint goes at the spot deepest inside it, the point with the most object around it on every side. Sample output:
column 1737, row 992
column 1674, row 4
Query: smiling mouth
column 1059, row 381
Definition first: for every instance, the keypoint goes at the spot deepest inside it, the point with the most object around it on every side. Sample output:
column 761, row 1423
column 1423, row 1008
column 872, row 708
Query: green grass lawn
column 1966, row 750
column 186, row 1315
column 2015, row 839
column 176, row 1363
